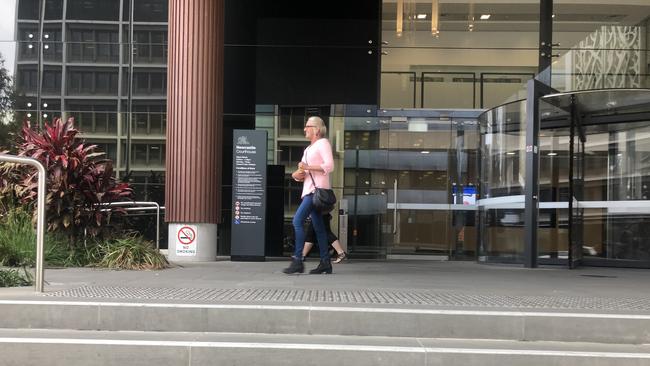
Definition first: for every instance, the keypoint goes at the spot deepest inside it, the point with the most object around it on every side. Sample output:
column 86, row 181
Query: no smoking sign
column 186, row 241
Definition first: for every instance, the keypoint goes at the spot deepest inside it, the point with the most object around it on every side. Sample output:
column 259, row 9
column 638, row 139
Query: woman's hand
column 302, row 166
column 298, row 175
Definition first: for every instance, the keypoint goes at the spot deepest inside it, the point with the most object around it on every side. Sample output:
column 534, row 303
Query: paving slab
column 400, row 283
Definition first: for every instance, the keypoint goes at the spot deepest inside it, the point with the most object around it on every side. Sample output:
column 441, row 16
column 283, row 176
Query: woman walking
column 313, row 170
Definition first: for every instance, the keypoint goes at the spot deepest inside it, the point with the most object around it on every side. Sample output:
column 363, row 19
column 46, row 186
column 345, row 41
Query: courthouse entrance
column 594, row 179
column 410, row 184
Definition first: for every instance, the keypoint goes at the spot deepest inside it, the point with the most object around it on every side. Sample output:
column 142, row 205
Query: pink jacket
column 319, row 153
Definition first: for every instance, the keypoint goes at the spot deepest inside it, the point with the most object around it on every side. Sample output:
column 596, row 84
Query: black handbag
column 324, row 199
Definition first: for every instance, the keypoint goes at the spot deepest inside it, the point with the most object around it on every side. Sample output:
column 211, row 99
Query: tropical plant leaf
column 79, row 178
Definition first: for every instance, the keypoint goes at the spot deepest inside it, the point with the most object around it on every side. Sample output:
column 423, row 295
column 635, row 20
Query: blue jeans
column 307, row 209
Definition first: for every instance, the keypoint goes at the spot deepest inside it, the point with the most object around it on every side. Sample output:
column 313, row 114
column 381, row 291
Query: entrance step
column 99, row 348
column 385, row 321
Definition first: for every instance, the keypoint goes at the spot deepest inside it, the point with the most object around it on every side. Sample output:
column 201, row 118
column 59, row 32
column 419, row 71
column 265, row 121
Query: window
column 92, row 82
column 151, row 46
column 94, row 118
column 93, row 9
column 27, row 35
column 152, row 155
column 27, row 79
column 93, row 45
column 28, row 9
column 291, row 153
column 53, row 9
column 52, row 45
column 150, row 11
column 149, row 119
column 139, row 154
column 110, row 149
column 51, row 81
column 150, row 82
column 292, row 119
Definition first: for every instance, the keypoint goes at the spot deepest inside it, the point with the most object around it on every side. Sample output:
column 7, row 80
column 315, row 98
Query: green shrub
column 17, row 239
column 130, row 252
column 13, row 278
column 18, row 244
column 79, row 180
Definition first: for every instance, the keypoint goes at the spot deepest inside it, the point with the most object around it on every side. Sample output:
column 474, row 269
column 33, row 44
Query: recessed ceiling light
column 425, row 152
column 485, row 16
column 553, row 16
column 510, row 153
column 551, row 154
column 422, row 16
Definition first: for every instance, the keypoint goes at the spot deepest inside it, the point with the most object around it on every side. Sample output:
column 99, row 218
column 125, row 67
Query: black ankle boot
column 323, row 267
column 295, row 267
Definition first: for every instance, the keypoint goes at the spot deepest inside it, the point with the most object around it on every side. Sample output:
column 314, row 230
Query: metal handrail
column 40, row 212
column 142, row 206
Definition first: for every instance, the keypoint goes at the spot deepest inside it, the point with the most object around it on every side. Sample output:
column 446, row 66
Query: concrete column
column 194, row 121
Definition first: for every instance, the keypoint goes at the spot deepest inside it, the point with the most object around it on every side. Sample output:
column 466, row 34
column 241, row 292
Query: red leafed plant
column 78, row 179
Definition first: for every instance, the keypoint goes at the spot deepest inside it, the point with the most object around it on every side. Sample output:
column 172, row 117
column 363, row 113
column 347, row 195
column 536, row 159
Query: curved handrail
column 143, row 205
column 40, row 212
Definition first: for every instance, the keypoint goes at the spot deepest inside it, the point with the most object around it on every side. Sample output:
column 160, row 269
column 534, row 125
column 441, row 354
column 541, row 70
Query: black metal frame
column 575, row 247
column 545, row 41
column 536, row 90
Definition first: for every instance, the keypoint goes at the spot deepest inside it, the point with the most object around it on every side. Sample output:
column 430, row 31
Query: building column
column 194, row 121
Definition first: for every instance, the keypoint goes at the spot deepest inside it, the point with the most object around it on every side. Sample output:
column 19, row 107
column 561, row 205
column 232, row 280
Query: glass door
column 420, row 167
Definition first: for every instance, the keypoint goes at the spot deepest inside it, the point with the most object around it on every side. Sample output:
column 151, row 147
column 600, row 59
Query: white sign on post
column 186, row 241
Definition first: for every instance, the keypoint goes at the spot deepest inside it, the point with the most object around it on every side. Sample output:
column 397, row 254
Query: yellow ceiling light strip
column 435, row 15
column 400, row 17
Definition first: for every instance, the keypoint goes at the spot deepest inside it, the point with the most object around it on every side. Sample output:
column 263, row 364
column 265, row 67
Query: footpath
column 366, row 313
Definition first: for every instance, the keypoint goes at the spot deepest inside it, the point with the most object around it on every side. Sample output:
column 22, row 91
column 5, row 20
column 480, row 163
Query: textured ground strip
column 380, row 297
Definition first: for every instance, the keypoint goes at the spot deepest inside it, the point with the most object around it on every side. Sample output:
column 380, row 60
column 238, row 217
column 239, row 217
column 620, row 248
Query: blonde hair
column 322, row 129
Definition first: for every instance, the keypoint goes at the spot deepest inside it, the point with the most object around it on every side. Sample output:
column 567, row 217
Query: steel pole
column 145, row 205
column 40, row 213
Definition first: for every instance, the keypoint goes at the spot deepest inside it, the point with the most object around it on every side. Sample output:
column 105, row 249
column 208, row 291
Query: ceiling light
column 510, row 153
column 470, row 17
column 425, row 152
column 553, row 16
column 422, row 16
column 435, row 15
column 400, row 18
column 485, row 16
column 551, row 154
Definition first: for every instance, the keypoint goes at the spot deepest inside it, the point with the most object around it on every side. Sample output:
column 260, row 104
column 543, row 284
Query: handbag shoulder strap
column 312, row 180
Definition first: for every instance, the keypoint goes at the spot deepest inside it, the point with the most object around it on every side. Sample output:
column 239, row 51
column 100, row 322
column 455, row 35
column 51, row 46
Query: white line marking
column 331, row 308
column 328, row 347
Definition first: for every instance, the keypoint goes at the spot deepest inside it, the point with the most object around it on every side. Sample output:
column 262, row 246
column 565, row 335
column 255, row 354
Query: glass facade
column 503, row 140
column 418, row 172
column 70, row 58
column 599, row 167
column 83, row 71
